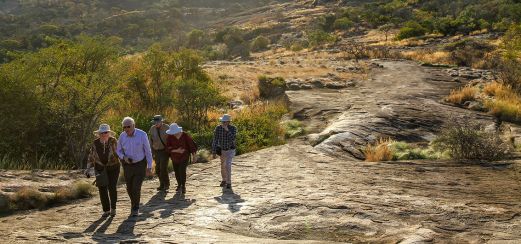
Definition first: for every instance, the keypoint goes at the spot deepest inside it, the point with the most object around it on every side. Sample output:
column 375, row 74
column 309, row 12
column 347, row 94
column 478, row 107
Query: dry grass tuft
column 493, row 88
column 461, row 95
column 429, row 56
column 380, row 151
column 29, row 198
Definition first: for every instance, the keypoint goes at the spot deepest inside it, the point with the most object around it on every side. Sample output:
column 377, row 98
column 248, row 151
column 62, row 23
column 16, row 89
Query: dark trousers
column 180, row 172
column 109, row 194
column 134, row 176
column 161, row 157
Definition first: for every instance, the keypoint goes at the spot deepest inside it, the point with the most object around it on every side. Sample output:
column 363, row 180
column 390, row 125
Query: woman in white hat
column 180, row 145
column 102, row 157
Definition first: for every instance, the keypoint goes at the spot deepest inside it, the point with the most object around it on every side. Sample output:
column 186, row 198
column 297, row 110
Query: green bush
column 258, row 127
column 271, row 87
column 411, row 29
column 342, row 24
column 470, row 141
column 203, row 139
column 260, row 43
column 293, row 128
column 405, row 151
column 319, row 37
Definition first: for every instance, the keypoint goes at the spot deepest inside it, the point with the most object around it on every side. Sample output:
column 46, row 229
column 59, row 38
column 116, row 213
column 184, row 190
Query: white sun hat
column 104, row 128
column 174, row 129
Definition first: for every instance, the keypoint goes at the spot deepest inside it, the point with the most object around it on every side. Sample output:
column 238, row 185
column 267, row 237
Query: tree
column 195, row 93
column 386, row 29
column 72, row 84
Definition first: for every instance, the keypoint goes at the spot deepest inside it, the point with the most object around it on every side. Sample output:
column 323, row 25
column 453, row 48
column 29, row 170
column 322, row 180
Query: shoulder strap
column 161, row 139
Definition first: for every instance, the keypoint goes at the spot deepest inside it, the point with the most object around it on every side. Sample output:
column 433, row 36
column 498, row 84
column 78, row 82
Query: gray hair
column 128, row 121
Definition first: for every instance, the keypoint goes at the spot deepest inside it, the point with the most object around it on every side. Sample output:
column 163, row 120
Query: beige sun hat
column 104, row 128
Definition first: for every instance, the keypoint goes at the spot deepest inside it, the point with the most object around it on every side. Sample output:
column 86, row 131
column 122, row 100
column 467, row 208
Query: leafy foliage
column 470, row 141
column 55, row 96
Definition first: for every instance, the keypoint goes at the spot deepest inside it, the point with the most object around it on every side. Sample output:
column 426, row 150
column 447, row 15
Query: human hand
column 214, row 156
column 86, row 173
column 179, row 150
column 149, row 172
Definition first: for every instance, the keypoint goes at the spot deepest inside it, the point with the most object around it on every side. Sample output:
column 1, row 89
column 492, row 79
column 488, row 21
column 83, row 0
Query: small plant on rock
column 470, row 141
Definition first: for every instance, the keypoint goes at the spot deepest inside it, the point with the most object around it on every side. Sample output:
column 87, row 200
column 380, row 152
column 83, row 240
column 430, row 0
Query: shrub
column 203, row 139
column 342, row 24
column 461, row 95
column 271, row 87
column 258, row 126
column 505, row 104
column 295, row 47
column 468, row 52
column 411, row 29
column 510, row 68
column 470, row 141
column 505, row 109
column 405, row 151
column 204, row 156
column 260, row 43
column 293, row 128
column 319, row 37
column 29, row 198
column 493, row 88
column 379, row 151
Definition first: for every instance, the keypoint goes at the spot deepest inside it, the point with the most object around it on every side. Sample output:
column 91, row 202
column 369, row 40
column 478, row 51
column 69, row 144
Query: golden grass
column 506, row 104
column 461, row 95
column 29, row 198
column 380, row 151
column 428, row 56
column 493, row 88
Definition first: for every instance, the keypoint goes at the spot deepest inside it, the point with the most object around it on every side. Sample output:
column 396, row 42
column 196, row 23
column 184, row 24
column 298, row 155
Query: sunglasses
column 103, row 133
column 127, row 127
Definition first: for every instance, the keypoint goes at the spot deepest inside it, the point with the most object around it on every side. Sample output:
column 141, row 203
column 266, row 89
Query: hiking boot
column 105, row 214
column 223, row 183
column 112, row 212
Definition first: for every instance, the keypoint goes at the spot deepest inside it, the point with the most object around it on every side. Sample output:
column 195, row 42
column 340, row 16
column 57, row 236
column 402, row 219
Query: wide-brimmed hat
column 104, row 128
column 157, row 118
column 226, row 118
column 174, row 129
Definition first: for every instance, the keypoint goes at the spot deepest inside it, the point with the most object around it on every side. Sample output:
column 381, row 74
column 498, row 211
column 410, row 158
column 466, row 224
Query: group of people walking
column 135, row 150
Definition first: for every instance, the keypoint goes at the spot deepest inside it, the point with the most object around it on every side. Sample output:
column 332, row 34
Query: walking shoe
column 223, row 183
column 105, row 214
column 134, row 213
column 228, row 186
column 112, row 212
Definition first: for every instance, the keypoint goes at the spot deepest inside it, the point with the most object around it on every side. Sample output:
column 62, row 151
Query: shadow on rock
column 166, row 207
column 232, row 199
